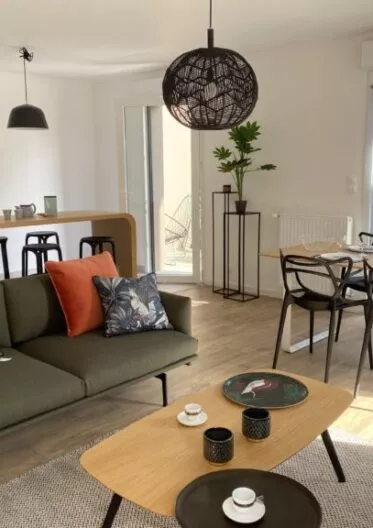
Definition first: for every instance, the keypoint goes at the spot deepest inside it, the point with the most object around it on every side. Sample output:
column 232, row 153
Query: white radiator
column 295, row 229
column 298, row 229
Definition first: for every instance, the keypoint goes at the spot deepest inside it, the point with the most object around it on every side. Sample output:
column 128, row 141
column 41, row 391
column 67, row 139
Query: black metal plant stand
column 239, row 294
column 226, row 209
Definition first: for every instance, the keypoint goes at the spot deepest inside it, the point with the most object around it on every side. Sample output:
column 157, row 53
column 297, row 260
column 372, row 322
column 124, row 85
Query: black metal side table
column 288, row 503
column 239, row 293
column 226, row 209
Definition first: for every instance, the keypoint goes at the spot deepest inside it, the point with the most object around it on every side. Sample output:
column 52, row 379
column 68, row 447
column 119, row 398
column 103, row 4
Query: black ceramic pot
column 256, row 423
column 241, row 206
column 218, row 445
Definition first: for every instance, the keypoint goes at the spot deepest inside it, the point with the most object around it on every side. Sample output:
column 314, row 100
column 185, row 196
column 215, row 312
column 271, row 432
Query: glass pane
column 177, row 191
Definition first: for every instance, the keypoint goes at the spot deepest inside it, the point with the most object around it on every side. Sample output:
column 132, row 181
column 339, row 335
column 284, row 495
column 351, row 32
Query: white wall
column 57, row 161
column 312, row 108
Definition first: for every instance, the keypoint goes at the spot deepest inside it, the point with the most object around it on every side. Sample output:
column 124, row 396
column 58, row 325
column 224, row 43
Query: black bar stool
column 4, row 256
column 41, row 254
column 42, row 236
column 97, row 243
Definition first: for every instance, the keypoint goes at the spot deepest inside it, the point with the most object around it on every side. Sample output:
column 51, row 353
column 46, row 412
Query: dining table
column 317, row 248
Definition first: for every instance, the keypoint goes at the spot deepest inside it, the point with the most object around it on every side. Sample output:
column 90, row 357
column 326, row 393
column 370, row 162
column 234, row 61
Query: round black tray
column 279, row 391
column 288, row 503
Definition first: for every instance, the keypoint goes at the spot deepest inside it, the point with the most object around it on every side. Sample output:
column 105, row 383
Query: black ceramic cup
column 256, row 423
column 218, row 445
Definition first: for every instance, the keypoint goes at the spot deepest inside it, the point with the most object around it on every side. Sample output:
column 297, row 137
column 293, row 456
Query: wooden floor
column 232, row 338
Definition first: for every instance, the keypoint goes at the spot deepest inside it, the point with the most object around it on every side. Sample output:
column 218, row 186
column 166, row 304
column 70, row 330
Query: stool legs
column 97, row 246
column 113, row 252
column 24, row 263
column 39, row 262
column 4, row 255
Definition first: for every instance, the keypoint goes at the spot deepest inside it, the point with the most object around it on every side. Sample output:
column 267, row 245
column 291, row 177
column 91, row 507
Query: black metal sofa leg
column 163, row 378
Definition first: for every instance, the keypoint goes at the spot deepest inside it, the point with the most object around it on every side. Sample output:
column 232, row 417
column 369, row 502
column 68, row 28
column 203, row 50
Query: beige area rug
column 61, row 495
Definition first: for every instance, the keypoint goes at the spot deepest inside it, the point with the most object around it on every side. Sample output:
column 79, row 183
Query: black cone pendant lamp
column 26, row 115
column 210, row 88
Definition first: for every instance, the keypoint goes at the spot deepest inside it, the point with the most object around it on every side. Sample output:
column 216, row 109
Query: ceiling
column 105, row 37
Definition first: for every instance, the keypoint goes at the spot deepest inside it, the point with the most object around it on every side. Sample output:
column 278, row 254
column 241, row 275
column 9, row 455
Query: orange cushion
column 78, row 296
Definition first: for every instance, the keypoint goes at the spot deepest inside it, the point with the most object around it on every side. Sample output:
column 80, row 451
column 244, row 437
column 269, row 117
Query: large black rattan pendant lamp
column 210, row 88
column 26, row 115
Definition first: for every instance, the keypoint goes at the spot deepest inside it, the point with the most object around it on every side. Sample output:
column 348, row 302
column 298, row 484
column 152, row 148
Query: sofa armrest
column 179, row 311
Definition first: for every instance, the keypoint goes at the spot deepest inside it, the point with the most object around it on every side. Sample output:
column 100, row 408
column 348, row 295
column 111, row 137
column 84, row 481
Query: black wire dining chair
column 297, row 272
column 356, row 283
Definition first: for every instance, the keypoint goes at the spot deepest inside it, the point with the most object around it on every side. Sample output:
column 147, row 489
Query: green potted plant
column 239, row 161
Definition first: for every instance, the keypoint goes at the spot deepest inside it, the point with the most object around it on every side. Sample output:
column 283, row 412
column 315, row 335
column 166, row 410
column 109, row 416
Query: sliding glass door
column 161, row 189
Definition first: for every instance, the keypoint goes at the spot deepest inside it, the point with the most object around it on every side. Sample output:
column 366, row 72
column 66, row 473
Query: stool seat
column 42, row 236
column 97, row 243
column 41, row 247
column 96, row 239
column 42, row 233
column 41, row 254
column 4, row 256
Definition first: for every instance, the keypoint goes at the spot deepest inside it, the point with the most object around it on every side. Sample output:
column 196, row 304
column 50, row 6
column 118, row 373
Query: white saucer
column 251, row 515
column 184, row 420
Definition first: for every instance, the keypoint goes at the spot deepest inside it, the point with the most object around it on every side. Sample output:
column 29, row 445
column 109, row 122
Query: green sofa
column 49, row 370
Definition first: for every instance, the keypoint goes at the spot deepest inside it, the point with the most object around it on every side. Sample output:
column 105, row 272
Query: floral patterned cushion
column 131, row 305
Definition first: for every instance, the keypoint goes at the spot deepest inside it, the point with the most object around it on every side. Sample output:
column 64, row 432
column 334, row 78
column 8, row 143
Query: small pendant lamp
column 210, row 88
column 26, row 115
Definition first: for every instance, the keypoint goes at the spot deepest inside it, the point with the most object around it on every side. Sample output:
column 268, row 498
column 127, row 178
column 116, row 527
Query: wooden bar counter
column 120, row 226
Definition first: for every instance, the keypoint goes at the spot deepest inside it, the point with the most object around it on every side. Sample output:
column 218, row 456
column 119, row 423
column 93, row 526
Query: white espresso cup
column 243, row 498
column 192, row 411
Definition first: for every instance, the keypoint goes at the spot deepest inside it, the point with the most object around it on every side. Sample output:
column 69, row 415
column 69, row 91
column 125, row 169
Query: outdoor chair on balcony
column 178, row 226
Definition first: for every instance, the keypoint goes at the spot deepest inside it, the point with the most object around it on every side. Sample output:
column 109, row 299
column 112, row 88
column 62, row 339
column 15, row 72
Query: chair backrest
column 366, row 238
column 302, row 268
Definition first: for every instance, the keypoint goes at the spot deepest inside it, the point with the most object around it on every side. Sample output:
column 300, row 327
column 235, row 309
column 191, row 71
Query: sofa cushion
column 29, row 387
column 131, row 304
column 77, row 294
column 4, row 327
column 33, row 308
column 103, row 363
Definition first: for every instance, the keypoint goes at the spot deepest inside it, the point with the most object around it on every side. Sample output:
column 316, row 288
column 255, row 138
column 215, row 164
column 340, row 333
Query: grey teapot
column 28, row 209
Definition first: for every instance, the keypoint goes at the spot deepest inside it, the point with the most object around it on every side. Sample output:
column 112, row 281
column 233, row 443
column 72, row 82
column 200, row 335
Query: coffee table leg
column 112, row 511
column 328, row 443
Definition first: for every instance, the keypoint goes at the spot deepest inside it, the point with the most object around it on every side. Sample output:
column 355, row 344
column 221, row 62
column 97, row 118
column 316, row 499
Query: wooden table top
column 323, row 247
column 63, row 217
column 152, row 460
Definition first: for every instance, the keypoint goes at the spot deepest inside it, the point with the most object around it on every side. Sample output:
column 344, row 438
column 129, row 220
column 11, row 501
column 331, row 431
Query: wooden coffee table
column 152, row 460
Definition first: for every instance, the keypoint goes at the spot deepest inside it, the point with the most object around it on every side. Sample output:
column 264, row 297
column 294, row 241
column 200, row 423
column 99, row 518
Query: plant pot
column 241, row 206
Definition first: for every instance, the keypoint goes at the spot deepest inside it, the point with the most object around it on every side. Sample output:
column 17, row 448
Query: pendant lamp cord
column 25, row 78
column 26, row 56
column 210, row 31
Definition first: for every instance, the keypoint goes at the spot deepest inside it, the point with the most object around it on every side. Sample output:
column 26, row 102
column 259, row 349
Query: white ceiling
column 98, row 37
